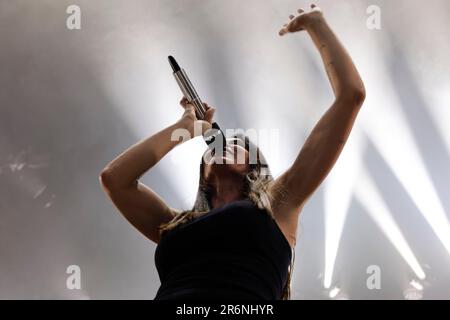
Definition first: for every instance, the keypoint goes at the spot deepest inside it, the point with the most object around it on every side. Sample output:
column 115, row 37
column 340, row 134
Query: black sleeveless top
column 236, row 251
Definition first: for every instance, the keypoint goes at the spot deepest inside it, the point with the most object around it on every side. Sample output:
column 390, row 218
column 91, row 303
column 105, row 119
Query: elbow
column 360, row 95
column 355, row 95
column 106, row 179
column 110, row 181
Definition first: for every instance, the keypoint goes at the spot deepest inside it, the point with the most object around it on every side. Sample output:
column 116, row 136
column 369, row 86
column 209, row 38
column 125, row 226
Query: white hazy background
column 72, row 100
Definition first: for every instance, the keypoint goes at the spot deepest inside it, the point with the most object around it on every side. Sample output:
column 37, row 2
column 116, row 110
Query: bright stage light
column 440, row 111
column 382, row 119
column 334, row 292
column 416, row 285
column 366, row 191
column 394, row 141
column 386, row 126
column 338, row 191
column 414, row 292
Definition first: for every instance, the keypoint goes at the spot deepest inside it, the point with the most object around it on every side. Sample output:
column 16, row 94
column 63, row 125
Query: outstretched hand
column 302, row 21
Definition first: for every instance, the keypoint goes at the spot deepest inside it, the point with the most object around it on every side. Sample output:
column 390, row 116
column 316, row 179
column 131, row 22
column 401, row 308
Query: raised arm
column 141, row 206
column 327, row 139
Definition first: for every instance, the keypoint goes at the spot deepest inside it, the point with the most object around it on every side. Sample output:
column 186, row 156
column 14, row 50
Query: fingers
column 285, row 28
column 183, row 102
column 315, row 8
column 283, row 31
column 187, row 105
column 189, row 109
column 209, row 114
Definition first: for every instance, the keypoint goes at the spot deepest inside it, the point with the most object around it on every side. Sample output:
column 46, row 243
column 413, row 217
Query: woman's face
column 235, row 159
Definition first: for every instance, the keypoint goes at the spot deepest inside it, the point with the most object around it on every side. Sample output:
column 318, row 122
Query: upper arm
column 141, row 206
column 316, row 158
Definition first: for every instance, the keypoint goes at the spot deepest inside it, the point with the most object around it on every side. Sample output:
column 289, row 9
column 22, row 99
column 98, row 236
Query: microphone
column 213, row 135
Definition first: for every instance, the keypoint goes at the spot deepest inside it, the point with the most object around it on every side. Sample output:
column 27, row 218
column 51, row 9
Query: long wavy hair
column 255, row 188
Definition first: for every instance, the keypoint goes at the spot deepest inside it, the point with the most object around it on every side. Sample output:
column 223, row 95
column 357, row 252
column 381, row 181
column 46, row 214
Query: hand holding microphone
column 190, row 117
column 214, row 137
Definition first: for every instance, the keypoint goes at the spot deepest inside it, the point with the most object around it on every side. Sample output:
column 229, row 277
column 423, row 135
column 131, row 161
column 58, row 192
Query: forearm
column 130, row 165
column 342, row 73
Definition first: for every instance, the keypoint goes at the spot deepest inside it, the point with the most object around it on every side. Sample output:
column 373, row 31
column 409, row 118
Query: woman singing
column 237, row 241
